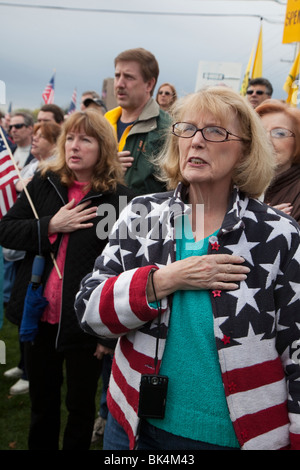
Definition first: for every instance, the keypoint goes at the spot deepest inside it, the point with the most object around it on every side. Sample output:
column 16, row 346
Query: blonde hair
column 255, row 170
column 108, row 171
column 276, row 106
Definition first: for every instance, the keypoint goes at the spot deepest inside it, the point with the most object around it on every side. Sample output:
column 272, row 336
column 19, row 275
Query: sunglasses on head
column 258, row 92
column 17, row 126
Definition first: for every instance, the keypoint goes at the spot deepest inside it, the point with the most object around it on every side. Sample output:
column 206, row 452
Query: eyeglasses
column 258, row 92
column 17, row 126
column 280, row 133
column 168, row 93
column 209, row 133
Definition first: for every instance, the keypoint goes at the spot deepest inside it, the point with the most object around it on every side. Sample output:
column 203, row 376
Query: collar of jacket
column 62, row 190
column 146, row 121
column 233, row 219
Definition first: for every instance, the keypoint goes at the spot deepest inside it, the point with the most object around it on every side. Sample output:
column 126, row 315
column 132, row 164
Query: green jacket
column 144, row 139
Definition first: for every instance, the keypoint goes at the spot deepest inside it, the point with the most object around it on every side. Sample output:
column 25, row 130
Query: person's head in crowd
column 223, row 107
column 2, row 119
column 136, row 73
column 166, row 96
column 282, row 122
column 90, row 133
column 92, row 100
column 258, row 90
column 44, row 139
column 51, row 112
column 21, row 128
column 89, row 94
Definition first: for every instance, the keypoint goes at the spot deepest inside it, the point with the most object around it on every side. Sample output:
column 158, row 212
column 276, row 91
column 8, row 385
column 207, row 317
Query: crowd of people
column 168, row 229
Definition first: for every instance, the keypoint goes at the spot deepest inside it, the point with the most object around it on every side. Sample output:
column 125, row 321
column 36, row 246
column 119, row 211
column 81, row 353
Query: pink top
column 53, row 287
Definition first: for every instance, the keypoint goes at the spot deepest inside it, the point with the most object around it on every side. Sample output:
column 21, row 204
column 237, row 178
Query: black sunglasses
column 164, row 93
column 258, row 92
column 17, row 126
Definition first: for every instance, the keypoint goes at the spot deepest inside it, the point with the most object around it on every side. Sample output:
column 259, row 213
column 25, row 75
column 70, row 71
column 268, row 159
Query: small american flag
column 8, row 175
column 48, row 94
column 72, row 106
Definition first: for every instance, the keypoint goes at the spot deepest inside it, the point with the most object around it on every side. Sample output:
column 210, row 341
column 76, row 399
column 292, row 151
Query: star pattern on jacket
column 251, row 338
column 243, row 248
column 112, row 256
column 276, row 232
column 273, row 269
column 245, row 296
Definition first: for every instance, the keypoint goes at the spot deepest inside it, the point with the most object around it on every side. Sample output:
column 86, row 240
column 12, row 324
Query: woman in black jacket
column 77, row 197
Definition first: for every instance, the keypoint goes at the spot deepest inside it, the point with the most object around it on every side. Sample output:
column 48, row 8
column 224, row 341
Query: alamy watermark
column 151, row 223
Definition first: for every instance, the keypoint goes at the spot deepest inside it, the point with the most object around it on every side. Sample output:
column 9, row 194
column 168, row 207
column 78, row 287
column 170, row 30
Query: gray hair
column 28, row 118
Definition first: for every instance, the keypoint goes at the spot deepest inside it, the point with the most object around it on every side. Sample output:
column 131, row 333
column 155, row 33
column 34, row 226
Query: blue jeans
column 151, row 438
column 115, row 438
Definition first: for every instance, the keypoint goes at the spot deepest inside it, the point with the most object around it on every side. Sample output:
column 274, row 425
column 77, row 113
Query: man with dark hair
column 259, row 90
column 51, row 112
column 139, row 122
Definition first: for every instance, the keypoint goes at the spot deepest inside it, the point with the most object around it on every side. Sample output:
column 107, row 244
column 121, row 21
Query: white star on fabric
column 220, row 321
column 245, row 296
column 254, row 340
column 109, row 255
column 250, row 215
column 243, row 248
column 277, row 231
column 296, row 289
column 272, row 269
column 145, row 244
column 158, row 210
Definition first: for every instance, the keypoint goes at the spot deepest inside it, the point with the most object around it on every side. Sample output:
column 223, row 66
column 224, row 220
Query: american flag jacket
column 256, row 327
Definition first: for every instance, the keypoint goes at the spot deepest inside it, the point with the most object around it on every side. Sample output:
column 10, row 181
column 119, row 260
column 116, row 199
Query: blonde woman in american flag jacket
column 230, row 316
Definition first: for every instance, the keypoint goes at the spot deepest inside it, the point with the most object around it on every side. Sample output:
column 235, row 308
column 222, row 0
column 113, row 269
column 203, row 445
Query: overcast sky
column 81, row 44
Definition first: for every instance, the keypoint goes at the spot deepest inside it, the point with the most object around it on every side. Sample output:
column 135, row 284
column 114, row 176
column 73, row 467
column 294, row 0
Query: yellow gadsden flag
column 245, row 82
column 291, row 31
column 258, row 59
column 291, row 85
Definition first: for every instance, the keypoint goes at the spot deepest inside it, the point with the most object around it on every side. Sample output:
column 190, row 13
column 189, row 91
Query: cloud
column 81, row 46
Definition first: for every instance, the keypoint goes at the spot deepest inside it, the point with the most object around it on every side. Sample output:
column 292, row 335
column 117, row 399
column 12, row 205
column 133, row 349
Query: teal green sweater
column 196, row 406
